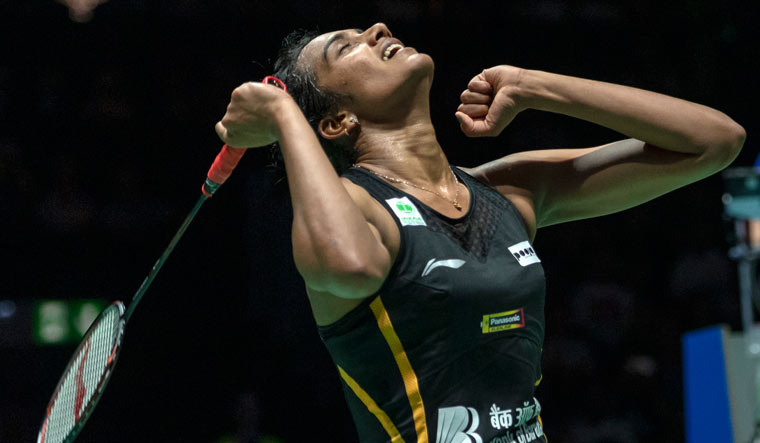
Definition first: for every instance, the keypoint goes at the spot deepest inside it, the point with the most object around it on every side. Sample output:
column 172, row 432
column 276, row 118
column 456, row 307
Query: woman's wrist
column 535, row 91
column 286, row 117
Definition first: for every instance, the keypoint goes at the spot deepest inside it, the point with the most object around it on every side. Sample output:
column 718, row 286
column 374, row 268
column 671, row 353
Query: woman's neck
column 409, row 152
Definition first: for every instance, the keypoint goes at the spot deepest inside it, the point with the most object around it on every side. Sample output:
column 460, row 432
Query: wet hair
column 315, row 102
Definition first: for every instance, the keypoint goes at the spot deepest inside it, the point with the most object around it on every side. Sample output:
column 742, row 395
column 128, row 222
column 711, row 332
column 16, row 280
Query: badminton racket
column 89, row 369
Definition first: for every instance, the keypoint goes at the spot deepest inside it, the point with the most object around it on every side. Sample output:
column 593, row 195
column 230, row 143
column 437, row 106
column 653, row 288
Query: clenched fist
column 251, row 118
column 490, row 101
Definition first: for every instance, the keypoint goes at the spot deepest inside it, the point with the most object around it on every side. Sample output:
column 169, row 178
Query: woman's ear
column 341, row 125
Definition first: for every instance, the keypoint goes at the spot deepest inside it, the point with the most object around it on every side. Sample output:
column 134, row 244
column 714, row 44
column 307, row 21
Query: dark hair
column 315, row 102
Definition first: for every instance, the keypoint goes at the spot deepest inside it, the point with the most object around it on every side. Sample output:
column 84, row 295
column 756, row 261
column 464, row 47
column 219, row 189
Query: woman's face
column 379, row 74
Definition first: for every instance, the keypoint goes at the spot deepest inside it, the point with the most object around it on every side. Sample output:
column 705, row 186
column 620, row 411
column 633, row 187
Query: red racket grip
column 221, row 169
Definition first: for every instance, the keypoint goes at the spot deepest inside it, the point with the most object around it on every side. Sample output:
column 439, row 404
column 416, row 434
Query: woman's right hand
column 251, row 117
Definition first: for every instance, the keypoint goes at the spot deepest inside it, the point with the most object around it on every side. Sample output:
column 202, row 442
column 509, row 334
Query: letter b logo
column 458, row 424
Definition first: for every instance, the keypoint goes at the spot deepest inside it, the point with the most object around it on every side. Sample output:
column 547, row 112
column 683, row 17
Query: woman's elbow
column 727, row 144
column 345, row 282
column 343, row 275
column 734, row 135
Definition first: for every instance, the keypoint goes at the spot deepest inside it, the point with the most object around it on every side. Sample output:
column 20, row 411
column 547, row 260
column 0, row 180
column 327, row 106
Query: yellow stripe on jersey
column 407, row 373
column 388, row 425
column 541, row 422
column 538, row 382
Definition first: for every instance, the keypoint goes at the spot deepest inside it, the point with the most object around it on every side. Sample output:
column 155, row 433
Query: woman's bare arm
column 674, row 142
column 336, row 248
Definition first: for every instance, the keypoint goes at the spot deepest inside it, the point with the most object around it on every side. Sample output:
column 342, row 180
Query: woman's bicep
column 342, row 264
column 344, row 275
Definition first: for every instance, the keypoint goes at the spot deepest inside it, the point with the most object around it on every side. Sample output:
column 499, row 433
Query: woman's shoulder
column 474, row 173
column 510, row 188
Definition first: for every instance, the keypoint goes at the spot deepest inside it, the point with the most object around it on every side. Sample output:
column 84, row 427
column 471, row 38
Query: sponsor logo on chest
column 453, row 263
column 503, row 321
column 406, row 212
column 524, row 254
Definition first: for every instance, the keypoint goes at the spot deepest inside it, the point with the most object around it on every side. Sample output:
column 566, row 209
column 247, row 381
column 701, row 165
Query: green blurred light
column 58, row 322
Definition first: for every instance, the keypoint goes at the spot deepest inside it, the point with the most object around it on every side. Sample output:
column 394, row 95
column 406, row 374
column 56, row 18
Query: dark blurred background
column 106, row 132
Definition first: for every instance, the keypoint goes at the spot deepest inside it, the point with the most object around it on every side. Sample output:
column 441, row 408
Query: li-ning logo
column 406, row 212
column 503, row 321
column 524, row 254
column 458, row 424
column 451, row 263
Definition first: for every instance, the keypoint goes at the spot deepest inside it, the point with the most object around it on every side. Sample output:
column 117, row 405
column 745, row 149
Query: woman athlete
column 422, row 276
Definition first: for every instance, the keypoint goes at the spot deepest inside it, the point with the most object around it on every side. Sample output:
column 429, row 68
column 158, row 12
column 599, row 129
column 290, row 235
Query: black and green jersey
column 449, row 349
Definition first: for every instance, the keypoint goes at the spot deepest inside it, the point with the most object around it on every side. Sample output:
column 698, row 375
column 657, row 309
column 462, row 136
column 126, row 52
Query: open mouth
column 391, row 50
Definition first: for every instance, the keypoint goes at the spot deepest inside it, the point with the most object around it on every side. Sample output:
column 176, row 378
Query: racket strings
column 83, row 377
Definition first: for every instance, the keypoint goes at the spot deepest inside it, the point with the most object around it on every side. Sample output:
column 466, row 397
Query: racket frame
column 102, row 382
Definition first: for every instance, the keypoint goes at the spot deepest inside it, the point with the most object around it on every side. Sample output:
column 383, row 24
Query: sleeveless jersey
column 448, row 350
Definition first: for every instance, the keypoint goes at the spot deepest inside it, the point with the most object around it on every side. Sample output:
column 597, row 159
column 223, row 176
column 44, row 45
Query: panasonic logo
column 503, row 321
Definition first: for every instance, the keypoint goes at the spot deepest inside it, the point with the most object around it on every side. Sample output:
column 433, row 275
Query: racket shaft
column 162, row 259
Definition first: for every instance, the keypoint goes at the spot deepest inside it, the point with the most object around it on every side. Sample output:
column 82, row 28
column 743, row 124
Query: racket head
column 85, row 377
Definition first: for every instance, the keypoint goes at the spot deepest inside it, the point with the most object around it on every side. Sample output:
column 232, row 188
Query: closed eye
column 344, row 47
column 333, row 39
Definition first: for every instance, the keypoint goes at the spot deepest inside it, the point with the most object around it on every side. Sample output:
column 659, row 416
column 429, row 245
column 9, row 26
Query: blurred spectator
column 81, row 11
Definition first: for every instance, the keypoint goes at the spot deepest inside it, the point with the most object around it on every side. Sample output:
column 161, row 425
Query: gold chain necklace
column 454, row 202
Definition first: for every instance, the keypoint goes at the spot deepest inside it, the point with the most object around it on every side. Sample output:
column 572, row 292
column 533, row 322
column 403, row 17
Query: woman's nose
column 376, row 32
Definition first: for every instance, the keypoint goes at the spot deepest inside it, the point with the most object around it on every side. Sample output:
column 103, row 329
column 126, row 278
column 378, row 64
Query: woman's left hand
column 490, row 102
